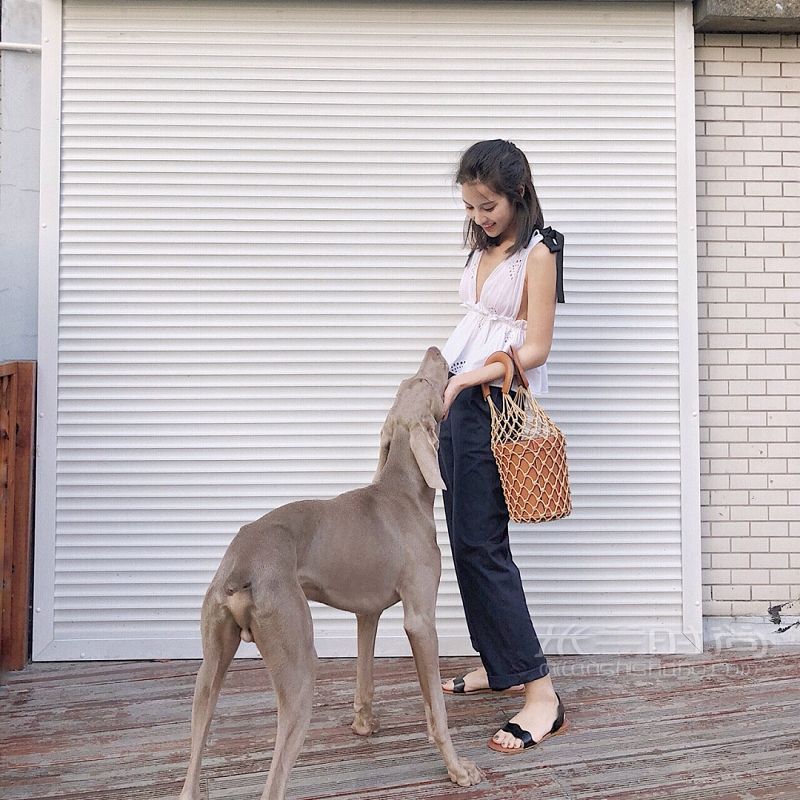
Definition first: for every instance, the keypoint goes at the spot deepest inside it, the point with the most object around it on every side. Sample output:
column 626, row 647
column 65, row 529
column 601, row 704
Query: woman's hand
column 451, row 391
column 473, row 377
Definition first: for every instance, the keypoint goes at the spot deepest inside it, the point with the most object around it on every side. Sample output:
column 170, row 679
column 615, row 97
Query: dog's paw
column 466, row 773
column 365, row 726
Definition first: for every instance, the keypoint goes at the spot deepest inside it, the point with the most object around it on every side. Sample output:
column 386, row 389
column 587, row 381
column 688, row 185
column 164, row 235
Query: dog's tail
column 240, row 603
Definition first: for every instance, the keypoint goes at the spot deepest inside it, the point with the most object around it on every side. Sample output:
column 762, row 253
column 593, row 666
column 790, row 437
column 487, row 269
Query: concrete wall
column 748, row 200
column 20, row 76
column 753, row 16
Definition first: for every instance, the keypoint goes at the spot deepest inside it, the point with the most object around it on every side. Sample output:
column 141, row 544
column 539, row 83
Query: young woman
column 510, row 286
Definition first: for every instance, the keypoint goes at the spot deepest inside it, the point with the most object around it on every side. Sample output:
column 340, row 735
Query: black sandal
column 559, row 726
column 460, row 687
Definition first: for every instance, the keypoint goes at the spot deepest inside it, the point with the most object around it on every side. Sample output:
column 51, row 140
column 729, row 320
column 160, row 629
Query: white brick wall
column 748, row 201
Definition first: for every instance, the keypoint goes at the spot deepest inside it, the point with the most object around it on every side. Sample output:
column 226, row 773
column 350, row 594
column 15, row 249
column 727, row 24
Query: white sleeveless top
column 491, row 323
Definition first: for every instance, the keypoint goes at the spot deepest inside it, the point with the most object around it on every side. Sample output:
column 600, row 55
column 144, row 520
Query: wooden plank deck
column 720, row 725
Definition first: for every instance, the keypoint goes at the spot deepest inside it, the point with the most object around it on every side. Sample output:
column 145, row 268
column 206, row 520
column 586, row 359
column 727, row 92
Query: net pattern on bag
column 530, row 452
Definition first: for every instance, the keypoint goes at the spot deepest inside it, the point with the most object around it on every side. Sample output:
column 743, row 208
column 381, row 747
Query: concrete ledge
column 751, row 16
column 757, row 633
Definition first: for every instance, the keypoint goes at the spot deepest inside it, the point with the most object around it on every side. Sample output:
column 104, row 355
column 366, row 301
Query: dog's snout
column 434, row 359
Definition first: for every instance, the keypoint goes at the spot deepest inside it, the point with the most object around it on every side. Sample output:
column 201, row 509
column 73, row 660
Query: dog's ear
column 386, row 439
column 424, row 445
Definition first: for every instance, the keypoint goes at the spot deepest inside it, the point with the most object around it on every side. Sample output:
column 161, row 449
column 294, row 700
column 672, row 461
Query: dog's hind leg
column 221, row 638
column 282, row 629
column 364, row 722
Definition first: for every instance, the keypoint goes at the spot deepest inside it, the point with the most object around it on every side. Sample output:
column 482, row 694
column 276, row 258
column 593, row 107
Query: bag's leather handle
column 512, row 364
column 521, row 376
column 500, row 357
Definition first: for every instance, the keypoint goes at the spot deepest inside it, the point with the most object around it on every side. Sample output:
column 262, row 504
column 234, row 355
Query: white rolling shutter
column 258, row 237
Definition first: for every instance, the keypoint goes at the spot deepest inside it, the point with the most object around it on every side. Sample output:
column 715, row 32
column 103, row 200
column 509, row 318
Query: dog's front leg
column 419, row 624
column 365, row 722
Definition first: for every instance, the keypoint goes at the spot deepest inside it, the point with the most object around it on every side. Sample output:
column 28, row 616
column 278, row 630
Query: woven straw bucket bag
column 529, row 449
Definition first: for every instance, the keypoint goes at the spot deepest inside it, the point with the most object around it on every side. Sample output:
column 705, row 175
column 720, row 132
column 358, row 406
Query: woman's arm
column 462, row 380
column 541, row 277
column 540, row 273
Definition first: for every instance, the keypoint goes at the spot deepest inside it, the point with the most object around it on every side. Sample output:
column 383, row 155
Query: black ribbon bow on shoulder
column 555, row 242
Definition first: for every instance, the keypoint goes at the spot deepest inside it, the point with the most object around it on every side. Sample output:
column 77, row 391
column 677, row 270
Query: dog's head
column 418, row 408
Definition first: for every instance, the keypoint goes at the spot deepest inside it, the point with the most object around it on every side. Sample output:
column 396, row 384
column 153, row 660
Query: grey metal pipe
column 23, row 48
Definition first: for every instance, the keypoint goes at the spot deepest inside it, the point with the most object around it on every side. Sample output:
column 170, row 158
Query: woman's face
column 493, row 212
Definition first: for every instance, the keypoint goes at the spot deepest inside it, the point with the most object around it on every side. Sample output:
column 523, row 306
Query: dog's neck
column 401, row 470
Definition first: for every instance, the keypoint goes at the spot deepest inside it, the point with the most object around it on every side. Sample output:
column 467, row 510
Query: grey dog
column 362, row 551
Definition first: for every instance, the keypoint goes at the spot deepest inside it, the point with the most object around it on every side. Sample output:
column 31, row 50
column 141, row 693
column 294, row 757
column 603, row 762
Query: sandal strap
column 519, row 733
column 459, row 686
column 559, row 717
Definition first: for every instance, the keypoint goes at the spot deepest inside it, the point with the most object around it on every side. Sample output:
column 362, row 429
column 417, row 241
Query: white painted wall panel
column 258, row 238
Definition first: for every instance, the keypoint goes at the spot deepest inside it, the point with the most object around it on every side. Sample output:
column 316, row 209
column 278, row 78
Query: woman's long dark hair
column 503, row 167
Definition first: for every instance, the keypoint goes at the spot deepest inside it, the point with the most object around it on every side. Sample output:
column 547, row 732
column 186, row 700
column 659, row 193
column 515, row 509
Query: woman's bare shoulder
column 540, row 255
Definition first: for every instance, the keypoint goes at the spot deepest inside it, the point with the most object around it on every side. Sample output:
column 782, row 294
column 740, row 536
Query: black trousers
column 497, row 615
